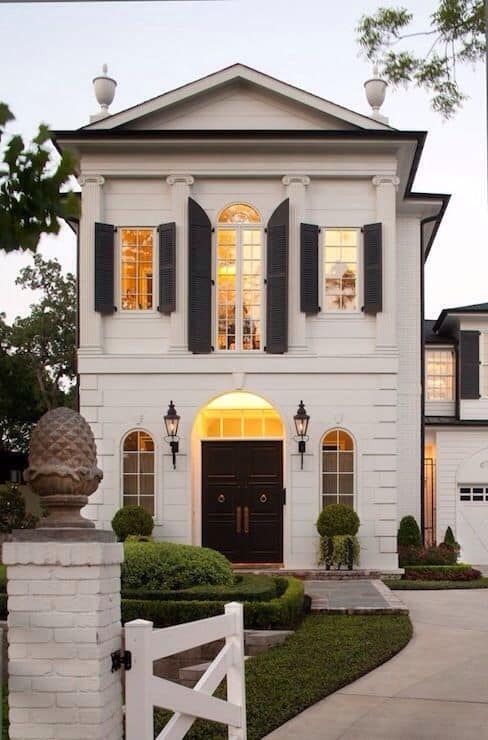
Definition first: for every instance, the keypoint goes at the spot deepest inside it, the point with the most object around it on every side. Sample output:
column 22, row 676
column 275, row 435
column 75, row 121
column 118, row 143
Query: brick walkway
column 354, row 597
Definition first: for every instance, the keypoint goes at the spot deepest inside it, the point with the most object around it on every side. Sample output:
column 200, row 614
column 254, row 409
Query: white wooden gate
column 143, row 690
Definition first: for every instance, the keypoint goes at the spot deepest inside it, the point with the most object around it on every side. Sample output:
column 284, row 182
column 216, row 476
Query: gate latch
column 121, row 659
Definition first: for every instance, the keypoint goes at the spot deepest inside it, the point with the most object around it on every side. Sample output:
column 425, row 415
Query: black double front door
column 242, row 500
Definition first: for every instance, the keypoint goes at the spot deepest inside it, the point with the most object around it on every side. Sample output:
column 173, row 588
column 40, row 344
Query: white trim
column 238, row 72
column 483, row 381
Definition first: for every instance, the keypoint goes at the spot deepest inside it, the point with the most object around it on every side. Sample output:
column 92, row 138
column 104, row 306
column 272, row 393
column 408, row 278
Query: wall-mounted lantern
column 301, row 420
column 171, row 422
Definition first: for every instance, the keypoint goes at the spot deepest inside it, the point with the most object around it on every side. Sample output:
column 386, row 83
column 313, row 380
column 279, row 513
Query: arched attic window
column 338, row 468
column 239, row 279
column 138, row 478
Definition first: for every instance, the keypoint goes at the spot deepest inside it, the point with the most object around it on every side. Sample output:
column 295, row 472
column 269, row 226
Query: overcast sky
column 51, row 52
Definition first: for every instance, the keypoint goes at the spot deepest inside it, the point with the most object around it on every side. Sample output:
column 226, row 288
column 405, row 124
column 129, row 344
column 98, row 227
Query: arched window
column 337, row 468
column 138, row 470
column 239, row 279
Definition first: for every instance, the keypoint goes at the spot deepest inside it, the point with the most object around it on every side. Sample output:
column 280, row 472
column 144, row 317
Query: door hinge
column 121, row 659
column 284, row 496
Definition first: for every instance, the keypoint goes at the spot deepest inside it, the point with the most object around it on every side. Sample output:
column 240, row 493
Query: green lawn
column 325, row 653
column 400, row 585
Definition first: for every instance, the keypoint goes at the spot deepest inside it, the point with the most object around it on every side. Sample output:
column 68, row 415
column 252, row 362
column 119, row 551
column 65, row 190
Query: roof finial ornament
column 104, row 87
column 375, row 92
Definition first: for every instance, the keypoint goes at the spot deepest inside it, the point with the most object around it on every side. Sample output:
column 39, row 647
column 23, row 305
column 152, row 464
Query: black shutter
column 167, row 268
column 309, row 269
column 469, row 364
column 104, row 268
column 373, row 269
column 277, row 280
column 199, row 279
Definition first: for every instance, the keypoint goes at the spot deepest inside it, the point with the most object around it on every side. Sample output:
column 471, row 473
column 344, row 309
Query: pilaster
column 386, row 325
column 91, row 329
column 180, row 192
column 296, row 191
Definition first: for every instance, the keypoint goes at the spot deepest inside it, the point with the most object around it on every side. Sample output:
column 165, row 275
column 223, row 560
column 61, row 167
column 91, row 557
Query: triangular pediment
column 237, row 98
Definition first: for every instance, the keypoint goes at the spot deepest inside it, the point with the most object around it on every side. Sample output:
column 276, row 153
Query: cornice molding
column 180, row 179
column 91, row 180
column 379, row 180
column 295, row 180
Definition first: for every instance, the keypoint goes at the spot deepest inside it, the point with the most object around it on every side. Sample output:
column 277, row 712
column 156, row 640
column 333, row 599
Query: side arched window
column 239, row 279
column 338, row 468
column 138, row 470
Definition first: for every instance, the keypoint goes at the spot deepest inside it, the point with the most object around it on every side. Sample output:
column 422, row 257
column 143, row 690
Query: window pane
column 136, row 276
column 327, row 500
column 330, row 462
column 231, row 427
column 329, row 483
column 273, row 428
column 440, row 371
column 147, row 462
column 147, row 503
column 130, row 500
column 345, row 441
column 130, row 485
column 340, row 269
column 130, row 462
column 346, row 462
column 347, row 501
column 253, row 427
column 239, row 213
column 346, row 483
column 213, row 428
column 146, row 485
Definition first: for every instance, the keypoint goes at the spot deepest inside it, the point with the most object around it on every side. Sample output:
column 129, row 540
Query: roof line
column 116, row 133
column 225, row 69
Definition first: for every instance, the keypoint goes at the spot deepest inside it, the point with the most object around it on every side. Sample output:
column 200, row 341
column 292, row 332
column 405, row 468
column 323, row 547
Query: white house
column 244, row 246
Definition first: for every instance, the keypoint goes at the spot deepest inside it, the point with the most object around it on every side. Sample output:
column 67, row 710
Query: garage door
column 472, row 523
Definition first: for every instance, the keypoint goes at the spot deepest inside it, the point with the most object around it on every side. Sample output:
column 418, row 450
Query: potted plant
column 337, row 526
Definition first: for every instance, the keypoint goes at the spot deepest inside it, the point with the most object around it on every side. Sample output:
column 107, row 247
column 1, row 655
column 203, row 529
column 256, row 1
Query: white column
column 295, row 190
column 63, row 624
column 180, row 191
column 91, row 334
column 386, row 329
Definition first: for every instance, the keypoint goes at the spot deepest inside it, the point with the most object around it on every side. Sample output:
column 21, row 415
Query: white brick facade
column 64, row 622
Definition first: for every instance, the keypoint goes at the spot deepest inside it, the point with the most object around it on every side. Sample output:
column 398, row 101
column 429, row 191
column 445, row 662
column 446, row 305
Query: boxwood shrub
column 282, row 612
column 460, row 572
column 156, row 566
column 248, row 587
column 132, row 520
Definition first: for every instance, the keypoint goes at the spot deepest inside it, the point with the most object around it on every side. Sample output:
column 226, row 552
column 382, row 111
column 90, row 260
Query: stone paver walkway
column 354, row 597
column 434, row 689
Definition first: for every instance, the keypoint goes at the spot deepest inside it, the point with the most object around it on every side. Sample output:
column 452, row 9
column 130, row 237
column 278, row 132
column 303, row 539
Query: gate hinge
column 121, row 659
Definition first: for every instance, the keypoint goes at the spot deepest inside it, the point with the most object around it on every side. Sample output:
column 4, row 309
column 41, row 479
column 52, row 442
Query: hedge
column 282, row 612
column 440, row 555
column 156, row 566
column 248, row 587
column 460, row 572
column 397, row 584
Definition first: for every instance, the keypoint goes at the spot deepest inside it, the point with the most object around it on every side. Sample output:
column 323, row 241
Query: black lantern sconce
column 171, row 422
column 301, row 420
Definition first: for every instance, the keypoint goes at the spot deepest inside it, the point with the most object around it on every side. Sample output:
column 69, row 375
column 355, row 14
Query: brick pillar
column 63, row 624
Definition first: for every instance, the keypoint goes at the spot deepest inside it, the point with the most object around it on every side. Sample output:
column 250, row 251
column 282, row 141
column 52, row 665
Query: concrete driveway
column 436, row 688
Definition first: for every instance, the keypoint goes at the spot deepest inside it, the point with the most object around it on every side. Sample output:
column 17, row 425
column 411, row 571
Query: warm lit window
column 341, row 269
column 136, row 269
column 337, row 468
column 239, row 279
column 439, row 370
column 138, row 471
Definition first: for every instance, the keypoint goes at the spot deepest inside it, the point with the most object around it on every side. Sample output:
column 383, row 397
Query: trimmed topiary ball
column 337, row 519
column 132, row 520
column 409, row 533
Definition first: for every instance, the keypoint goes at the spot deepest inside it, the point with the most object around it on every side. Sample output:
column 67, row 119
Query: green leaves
column 31, row 201
column 456, row 36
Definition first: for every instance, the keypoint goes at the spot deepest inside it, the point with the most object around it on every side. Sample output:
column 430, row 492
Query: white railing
column 144, row 691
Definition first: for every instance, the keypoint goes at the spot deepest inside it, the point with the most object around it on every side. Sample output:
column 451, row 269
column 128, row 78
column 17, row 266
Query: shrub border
column 283, row 612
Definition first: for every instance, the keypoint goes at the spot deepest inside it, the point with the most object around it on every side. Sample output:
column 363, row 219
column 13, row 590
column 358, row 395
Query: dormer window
column 440, row 375
column 239, row 279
